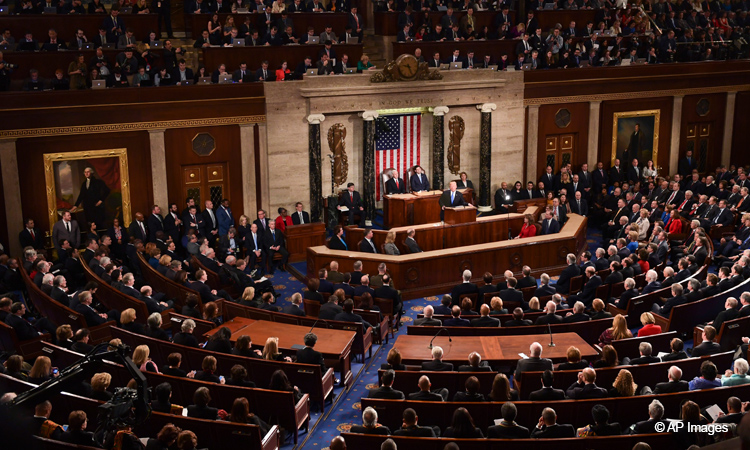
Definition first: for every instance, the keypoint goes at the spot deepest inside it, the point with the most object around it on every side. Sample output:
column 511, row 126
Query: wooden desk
column 413, row 209
column 300, row 22
column 333, row 344
column 275, row 55
column 299, row 237
column 459, row 215
column 495, row 349
column 438, row 271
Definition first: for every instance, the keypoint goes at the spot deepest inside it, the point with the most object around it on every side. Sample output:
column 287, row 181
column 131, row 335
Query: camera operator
column 6, row 69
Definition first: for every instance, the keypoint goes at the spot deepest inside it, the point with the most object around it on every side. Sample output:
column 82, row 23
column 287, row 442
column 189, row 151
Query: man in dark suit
column 676, row 300
column 451, row 199
column 511, row 294
column 411, row 243
column 387, row 291
column 547, row 392
column 518, row 320
column 425, row 394
column 463, row 289
column 419, row 180
column 367, row 245
column 330, row 309
column 550, row 318
column 276, row 243
column 370, row 424
column 723, row 217
column 456, row 320
column 585, row 387
column 563, row 283
column 138, row 228
column 579, row 205
column 296, row 309
column 675, row 383
column 210, row 223
column 548, row 428
column 578, row 314
column 630, row 292
column 534, row 363
column 395, row 185
column 347, row 315
column 385, row 390
column 485, row 320
column 352, row 200
column 646, row 355
column 300, row 217
column 527, row 280
column 254, row 244
column 30, row 236
column 24, row 330
column 687, row 164
column 730, row 313
column 411, row 428
column 309, row 355
column 114, row 25
column 92, row 317
column 437, row 365
column 155, row 223
column 588, row 293
column 549, row 224
column 708, row 346
column 242, row 75
column 427, row 320
column 544, row 288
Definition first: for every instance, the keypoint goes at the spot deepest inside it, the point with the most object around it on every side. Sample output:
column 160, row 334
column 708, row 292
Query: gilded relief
column 456, row 127
column 337, row 145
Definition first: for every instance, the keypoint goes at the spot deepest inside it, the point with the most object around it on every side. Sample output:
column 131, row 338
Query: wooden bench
column 212, row 434
column 201, row 326
column 684, row 318
column 169, row 288
column 277, row 407
column 308, row 377
column 214, row 280
column 625, row 410
column 659, row 343
column 644, row 374
column 588, row 331
column 407, row 380
column 28, row 349
column 504, row 317
column 626, row 442
column 729, row 336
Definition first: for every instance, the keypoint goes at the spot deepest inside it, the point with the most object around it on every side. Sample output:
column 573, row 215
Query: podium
column 414, row 209
column 299, row 237
column 460, row 214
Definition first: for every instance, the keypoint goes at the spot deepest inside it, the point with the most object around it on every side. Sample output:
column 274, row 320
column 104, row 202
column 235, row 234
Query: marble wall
column 342, row 98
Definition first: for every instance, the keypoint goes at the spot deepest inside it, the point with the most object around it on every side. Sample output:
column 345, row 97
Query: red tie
column 32, row 234
column 352, row 198
column 681, row 205
column 396, row 183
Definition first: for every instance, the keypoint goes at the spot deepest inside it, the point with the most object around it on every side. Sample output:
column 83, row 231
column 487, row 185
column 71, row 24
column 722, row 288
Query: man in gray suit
column 67, row 228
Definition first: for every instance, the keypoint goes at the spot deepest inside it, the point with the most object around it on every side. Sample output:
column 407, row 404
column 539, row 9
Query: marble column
column 674, row 147
column 316, row 169
column 485, row 156
column 247, row 152
column 265, row 190
column 726, row 143
column 368, row 163
column 159, row 168
column 592, row 156
column 12, row 193
column 532, row 142
column 438, row 147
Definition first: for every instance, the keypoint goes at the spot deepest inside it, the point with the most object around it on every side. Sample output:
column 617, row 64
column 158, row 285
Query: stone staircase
column 373, row 47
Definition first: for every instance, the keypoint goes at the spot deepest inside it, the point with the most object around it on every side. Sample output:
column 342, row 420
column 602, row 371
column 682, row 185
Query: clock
column 407, row 66
column 203, row 144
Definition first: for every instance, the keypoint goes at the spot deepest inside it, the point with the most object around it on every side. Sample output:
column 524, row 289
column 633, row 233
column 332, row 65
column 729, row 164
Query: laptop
column 147, row 83
column 410, row 39
column 313, row 40
column 126, row 10
column 187, row 83
column 350, row 70
column 8, row 47
column 526, row 66
column 445, row 66
column 311, row 72
column 242, row 11
column 108, row 45
column 261, row 8
column 156, row 45
column 456, row 65
column 641, row 61
column 584, row 63
column 510, row 69
column 204, row 80
column 442, row 8
column 549, row 6
column 225, row 78
column 87, row 46
column 98, row 84
column 625, row 62
column 492, row 67
column 353, row 40
column 3, row 10
column 50, row 10
column 238, row 42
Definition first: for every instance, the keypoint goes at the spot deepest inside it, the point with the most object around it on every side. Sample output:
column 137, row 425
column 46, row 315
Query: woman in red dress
column 674, row 225
column 529, row 228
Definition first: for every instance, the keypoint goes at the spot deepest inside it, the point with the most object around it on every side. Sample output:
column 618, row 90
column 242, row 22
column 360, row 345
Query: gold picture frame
column 622, row 129
column 49, row 175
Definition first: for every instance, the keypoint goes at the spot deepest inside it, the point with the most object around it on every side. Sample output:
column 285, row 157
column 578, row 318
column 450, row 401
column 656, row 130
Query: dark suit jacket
column 551, row 226
column 555, row 431
column 706, row 348
column 670, row 386
column 380, row 430
column 416, row 431
column 485, row 321
column 644, row 360
column 532, row 365
column 547, row 394
column 456, row 322
column 426, row 396
column 428, row 322
column 309, row 355
column 390, row 186
column 305, row 217
column 461, row 290
column 544, row 290
column 580, row 391
column 92, row 318
column 579, row 317
column 386, row 392
column 24, row 330
column 416, row 185
column 563, row 283
column 437, row 366
column 458, row 199
column 625, row 298
column 27, row 241
column 365, row 247
column 727, row 314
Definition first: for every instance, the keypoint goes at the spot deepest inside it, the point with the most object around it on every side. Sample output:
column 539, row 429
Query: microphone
column 438, row 333
column 316, row 322
column 551, row 342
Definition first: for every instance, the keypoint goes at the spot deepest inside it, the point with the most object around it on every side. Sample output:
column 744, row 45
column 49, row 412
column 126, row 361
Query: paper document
column 523, row 355
column 714, row 411
column 344, row 209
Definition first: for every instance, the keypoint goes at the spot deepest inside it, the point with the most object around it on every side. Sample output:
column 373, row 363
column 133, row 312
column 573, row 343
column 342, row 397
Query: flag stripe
column 398, row 148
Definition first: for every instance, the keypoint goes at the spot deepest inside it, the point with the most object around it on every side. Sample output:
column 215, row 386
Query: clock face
column 407, row 66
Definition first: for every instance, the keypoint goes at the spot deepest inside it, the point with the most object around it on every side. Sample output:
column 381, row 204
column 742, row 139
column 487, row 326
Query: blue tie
column 255, row 240
column 453, row 194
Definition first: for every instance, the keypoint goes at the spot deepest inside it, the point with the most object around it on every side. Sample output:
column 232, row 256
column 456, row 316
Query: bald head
column 536, row 349
column 338, row 443
column 424, row 383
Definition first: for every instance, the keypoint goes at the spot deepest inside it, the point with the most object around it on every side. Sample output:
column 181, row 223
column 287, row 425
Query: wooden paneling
column 178, row 144
column 31, row 168
column 740, row 155
column 578, row 127
column 3, row 224
column 67, row 25
column 715, row 121
column 292, row 54
column 664, row 104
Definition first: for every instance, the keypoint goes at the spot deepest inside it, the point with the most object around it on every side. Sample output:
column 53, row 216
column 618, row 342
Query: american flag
column 399, row 147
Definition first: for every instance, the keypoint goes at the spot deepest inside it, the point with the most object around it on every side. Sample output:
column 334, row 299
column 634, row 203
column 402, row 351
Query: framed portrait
column 635, row 134
column 93, row 185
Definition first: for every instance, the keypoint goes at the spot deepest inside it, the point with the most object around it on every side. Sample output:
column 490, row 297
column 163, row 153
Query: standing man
column 451, row 198
column 255, row 248
column 210, row 223
column 300, row 217
column 635, row 146
column 92, row 196
column 419, row 180
column 30, row 236
column 274, row 243
column 225, row 217
column 155, row 223
column 138, row 228
column 66, row 229
column 395, row 185
column 172, row 223
column 352, row 200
